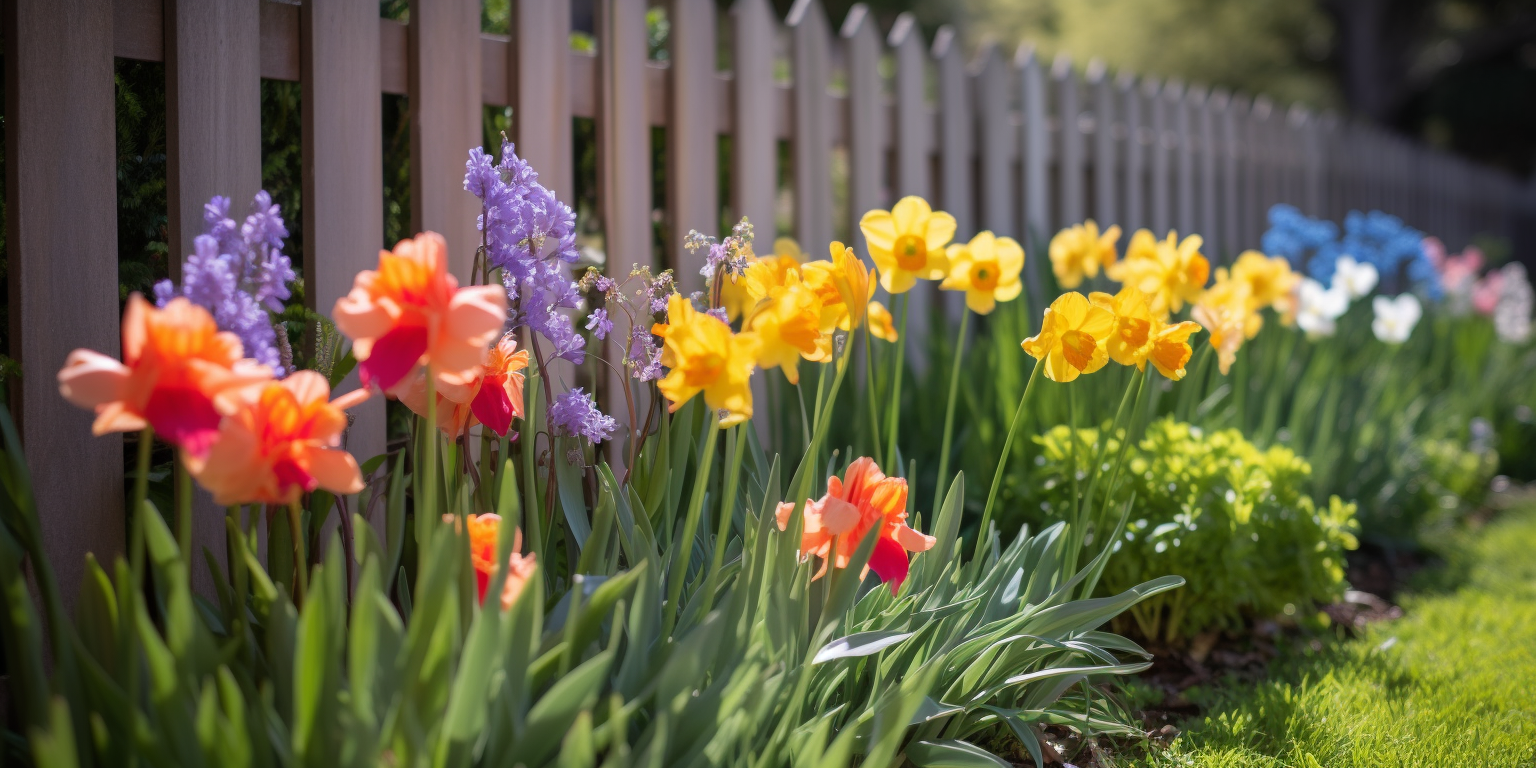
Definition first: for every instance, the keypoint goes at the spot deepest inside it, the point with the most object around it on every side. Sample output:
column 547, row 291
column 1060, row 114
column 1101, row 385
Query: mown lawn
column 1453, row 683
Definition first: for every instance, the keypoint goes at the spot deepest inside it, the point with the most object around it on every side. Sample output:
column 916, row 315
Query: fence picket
column 693, row 187
column 1233, row 235
column 956, row 133
column 754, row 177
column 1135, row 214
column 344, row 172
column 913, row 129
column 1036, row 151
column 1182, row 102
column 812, row 141
column 1209, row 153
column 541, row 81
column 867, row 119
column 1105, row 163
column 62, row 247
column 996, row 129
column 1070, row 166
column 1160, row 189
column 444, row 93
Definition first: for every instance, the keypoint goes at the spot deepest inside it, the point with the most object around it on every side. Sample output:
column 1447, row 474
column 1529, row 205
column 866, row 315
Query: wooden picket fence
column 1001, row 139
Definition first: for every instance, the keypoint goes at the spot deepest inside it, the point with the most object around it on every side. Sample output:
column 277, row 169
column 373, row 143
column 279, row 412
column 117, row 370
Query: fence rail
column 1003, row 140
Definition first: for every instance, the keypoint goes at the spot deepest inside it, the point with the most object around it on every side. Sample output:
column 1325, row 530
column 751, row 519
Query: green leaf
column 859, row 644
column 556, row 711
column 952, row 753
column 54, row 745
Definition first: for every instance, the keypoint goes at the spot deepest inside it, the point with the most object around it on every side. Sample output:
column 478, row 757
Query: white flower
column 1512, row 315
column 1395, row 318
column 1357, row 279
column 1320, row 307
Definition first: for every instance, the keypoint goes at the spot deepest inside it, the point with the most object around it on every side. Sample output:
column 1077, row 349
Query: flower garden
column 774, row 539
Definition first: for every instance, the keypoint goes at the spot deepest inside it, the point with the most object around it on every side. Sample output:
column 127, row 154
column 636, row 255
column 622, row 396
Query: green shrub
column 1235, row 521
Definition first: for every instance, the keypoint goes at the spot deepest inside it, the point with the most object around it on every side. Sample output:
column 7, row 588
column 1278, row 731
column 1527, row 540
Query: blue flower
column 575, row 413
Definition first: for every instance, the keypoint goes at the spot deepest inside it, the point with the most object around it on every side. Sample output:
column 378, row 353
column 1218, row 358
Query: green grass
column 1453, row 683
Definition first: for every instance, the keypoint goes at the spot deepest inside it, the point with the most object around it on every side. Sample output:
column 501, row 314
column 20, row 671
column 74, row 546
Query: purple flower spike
column 575, row 413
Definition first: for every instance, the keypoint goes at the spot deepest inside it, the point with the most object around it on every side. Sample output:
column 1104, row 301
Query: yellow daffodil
column 704, row 356
column 788, row 326
column 1171, row 272
column 1226, row 312
column 844, row 286
column 742, row 292
column 987, row 269
column 1270, row 280
column 907, row 243
column 881, row 324
column 1169, row 347
column 1079, row 251
column 788, row 248
column 1072, row 338
column 1130, row 343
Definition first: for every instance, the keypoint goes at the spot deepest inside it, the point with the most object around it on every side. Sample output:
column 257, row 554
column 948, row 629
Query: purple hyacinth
column 239, row 273
column 531, row 236
column 599, row 324
column 575, row 413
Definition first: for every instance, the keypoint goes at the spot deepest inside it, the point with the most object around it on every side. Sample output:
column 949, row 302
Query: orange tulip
column 836, row 523
column 280, row 444
column 178, row 373
column 484, row 532
column 411, row 311
column 494, row 397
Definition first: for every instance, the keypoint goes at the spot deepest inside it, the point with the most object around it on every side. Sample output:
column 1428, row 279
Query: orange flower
column 484, row 533
column 178, row 373
column 494, row 397
column 412, row 311
column 280, row 444
column 837, row 522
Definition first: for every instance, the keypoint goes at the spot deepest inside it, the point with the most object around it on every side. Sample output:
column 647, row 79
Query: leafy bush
column 1234, row 520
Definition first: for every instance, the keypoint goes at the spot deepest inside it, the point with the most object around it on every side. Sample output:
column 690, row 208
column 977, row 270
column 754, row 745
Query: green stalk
column 1002, row 460
column 184, row 514
column 727, row 507
column 429, row 469
column 300, row 569
column 1073, row 444
column 140, row 493
column 683, row 546
column 1193, row 391
column 949, row 413
column 1132, row 389
column 893, row 419
column 872, row 394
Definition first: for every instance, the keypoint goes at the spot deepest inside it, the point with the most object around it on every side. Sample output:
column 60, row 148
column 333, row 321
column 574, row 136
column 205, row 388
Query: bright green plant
column 1234, row 520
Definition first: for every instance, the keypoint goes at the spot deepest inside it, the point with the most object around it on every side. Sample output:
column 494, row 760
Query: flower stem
column 184, row 515
column 1002, row 461
column 683, row 546
column 428, row 502
column 872, row 385
column 300, row 568
column 949, row 413
column 140, row 493
column 893, row 420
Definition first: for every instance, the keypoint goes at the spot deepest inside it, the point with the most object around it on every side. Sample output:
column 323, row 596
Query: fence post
column 1135, row 153
column 540, row 78
column 1160, row 191
column 867, row 117
column 343, row 169
column 997, row 152
column 1209, row 148
column 1231, row 197
column 693, row 193
column 1035, row 150
column 1068, row 111
column 446, row 122
column 1104, row 162
column 956, row 133
column 812, row 142
column 62, row 239
column 754, row 149
column 913, row 128
column 1182, row 101
column 213, row 147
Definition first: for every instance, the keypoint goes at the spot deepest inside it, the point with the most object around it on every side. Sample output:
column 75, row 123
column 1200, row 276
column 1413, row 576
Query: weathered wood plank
column 1209, row 151
column 213, row 147
column 1036, row 151
column 811, row 146
column 693, row 194
column 997, row 148
column 62, row 242
column 913, row 132
column 956, row 133
column 1187, row 218
column 754, row 145
column 1160, row 188
column 1068, row 114
column 1105, row 161
column 1231, row 173
column 867, row 119
column 343, row 181
column 541, row 91
column 1136, row 142
column 446, row 118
